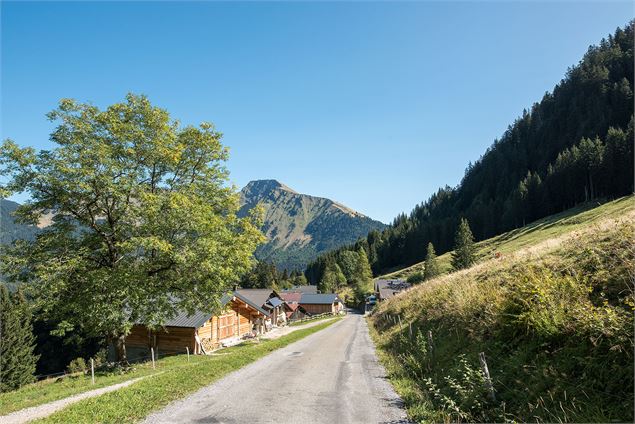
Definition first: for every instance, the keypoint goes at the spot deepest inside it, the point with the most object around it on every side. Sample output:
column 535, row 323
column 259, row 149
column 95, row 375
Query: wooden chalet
column 315, row 304
column 268, row 301
column 293, row 309
column 201, row 332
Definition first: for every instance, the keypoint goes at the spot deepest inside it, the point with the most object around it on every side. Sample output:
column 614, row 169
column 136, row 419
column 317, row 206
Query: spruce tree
column 17, row 342
column 432, row 266
column 463, row 255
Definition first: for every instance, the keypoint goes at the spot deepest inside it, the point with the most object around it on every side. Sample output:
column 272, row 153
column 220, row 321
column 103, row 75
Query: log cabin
column 315, row 304
column 201, row 332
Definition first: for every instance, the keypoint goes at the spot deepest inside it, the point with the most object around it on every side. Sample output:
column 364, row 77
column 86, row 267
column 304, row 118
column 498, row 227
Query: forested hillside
column 573, row 146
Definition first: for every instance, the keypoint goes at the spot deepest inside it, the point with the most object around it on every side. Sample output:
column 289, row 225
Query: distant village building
column 302, row 289
column 315, row 304
column 385, row 289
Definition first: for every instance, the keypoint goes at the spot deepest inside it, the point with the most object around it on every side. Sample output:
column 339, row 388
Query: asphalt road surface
column 331, row 376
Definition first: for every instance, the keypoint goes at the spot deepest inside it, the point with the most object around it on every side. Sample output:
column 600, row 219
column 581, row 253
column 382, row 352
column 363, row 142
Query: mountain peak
column 300, row 226
column 265, row 186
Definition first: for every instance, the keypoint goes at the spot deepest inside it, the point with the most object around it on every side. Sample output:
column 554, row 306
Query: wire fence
column 92, row 367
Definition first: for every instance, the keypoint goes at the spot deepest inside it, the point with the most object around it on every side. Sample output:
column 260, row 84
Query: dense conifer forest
column 573, row 146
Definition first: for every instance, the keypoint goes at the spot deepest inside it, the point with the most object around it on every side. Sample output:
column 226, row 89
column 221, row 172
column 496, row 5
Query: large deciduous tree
column 144, row 222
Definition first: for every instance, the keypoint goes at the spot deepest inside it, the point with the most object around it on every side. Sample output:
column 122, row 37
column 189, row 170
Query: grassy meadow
column 553, row 315
column 548, row 228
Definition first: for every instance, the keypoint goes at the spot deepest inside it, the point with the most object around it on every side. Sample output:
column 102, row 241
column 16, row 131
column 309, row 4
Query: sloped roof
column 319, row 299
column 183, row 319
column 391, row 284
column 255, row 298
column 274, row 302
column 291, row 297
column 302, row 289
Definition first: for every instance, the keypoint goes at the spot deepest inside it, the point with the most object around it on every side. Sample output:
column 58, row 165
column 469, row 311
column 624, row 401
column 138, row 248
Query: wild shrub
column 76, row 365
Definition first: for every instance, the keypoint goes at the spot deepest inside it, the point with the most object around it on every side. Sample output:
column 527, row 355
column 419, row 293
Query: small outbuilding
column 315, row 304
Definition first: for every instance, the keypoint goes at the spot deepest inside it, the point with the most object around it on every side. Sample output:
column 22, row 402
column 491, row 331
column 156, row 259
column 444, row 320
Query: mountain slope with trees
column 573, row 146
column 299, row 227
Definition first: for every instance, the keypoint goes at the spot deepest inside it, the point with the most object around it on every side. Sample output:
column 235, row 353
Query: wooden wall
column 168, row 340
column 318, row 309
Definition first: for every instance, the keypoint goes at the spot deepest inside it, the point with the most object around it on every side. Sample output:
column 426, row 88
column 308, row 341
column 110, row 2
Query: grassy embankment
column 554, row 317
column 544, row 229
column 173, row 378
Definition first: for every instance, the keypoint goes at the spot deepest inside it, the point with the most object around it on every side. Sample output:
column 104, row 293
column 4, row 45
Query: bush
column 415, row 278
column 100, row 357
column 76, row 365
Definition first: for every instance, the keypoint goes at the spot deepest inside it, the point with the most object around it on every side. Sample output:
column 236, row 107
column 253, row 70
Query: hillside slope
column 299, row 226
column 547, row 229
column 553, row 315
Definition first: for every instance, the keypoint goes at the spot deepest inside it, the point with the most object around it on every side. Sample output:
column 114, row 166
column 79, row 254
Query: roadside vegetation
column 173, row 378
column 553, row 316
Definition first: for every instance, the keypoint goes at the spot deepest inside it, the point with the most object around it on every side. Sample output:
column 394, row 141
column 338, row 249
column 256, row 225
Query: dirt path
column 41, row 411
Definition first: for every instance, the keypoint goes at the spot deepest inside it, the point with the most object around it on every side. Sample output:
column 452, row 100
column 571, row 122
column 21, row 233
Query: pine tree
column 17, row 342
column 463, row 255
column 432, row 266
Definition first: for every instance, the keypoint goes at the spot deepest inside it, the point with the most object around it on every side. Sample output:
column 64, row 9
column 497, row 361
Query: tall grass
column 555, row 323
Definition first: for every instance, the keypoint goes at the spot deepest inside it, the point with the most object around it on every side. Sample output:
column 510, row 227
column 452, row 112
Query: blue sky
column 374, row 105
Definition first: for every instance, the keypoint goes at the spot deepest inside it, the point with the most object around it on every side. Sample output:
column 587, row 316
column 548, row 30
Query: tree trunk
column 120, row 349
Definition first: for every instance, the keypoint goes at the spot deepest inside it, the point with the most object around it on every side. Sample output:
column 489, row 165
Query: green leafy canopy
column 144, row 219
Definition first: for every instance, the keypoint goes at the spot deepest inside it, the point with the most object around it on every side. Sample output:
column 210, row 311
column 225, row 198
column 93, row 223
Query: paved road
column 331, row 376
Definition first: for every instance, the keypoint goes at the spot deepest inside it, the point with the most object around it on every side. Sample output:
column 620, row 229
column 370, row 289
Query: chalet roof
column 319, row 299
column 256, row 298
column 183, row 319
column 274, row 301
column 396, row 285
column 387, row 293
column 291, row 297
column 195, row 320
column 302, row 289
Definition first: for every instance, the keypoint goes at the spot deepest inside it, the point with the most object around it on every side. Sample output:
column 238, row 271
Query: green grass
column 306, row 321
column 555, row 321
column 174, row 378
column 535, row 232
column 58, row 388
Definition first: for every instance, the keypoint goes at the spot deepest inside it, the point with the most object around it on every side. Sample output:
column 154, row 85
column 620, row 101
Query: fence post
column 92, row 369
column 410, row 330
column 152, row 354
column 488, row 380
column 188, row 353
column 430, row 341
